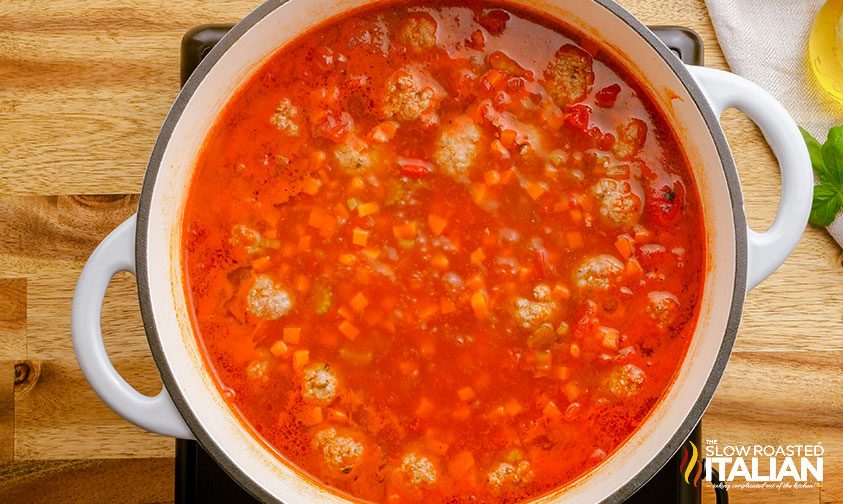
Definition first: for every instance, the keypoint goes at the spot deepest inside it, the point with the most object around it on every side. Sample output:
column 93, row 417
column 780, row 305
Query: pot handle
column 156, row 414
column 767, row 250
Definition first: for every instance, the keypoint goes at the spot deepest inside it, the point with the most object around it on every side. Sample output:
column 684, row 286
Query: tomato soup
column 443, row 252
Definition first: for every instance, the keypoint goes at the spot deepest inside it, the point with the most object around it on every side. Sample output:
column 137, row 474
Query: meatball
column 258, row 371
column 268, row 300
column 631, row 138
column 411, row 92
column 662, row 307
column 509, row 474
column 284, row 118
column 569, row 76
column 598, row 273
column 625, row 381
column 353, row 155
column 618, row 203
column 418, row 470
column 532, row 314
column 341, row 453
column 418, row 33
column 319, row 385
column 457, row 147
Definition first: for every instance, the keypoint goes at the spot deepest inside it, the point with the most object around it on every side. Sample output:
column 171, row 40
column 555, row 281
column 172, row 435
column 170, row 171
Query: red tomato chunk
column 432, row 256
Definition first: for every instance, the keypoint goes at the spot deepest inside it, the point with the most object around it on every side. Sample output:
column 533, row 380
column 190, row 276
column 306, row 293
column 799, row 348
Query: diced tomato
column 578, row 117
column 494, row 21
column 414, row 168
column 664, row 203
column 333, row 126
column 541, row 263
column 607, row 96
column 606, row 142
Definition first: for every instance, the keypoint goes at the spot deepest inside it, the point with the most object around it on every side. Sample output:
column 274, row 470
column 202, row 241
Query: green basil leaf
column 833, row 158
column 815, row 149
column 826, row 205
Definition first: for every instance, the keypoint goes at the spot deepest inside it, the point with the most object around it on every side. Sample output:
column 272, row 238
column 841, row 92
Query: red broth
column 443, row 253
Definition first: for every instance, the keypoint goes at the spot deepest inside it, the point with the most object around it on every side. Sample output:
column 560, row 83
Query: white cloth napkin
column 766, row 41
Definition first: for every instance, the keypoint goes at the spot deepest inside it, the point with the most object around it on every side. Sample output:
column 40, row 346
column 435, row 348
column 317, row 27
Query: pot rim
column 647, row 471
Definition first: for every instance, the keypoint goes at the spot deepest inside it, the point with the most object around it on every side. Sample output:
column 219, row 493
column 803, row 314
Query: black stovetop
column 200, row 480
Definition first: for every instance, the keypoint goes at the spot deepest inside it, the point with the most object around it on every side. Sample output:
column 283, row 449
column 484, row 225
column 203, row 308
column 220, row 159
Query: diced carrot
column 440, row 262
column 371, row 252
column 495, row 414
column 367, row 209
column 427, row 311
column 499, row 151
column 574, row 350
column 271, row 234
column 571, row 391
column 534, row 190
column 576, row 215
column 507, row 176
column 261, row 264
column 466, row 394
column 551, row 412
column 425, row 408
column 405, row 231
column 447, row 306
column 279, row 349
column 436, row 224
column 317, row 217
column 347, row 259
column 311, row 186
column 478, row 193
column 633, row 267
column 562, row 372
column 561, row 292
column 476, row 282
column 508, row 138
column 345, row 313
column 460, row 464
column 311, row 416
column 512, row 407
column 356, row 185
column 575, row 239
column 641, row 235
column 359, row 237
column 492, row 177
column 495, row 79
column 478, row 256
column 300, row 359
column 351, row 332
column 625, row 245
column 383, row 132
column 337, row 416
column 292, row 335
column 359, row 302
column 328, row 227
column 479, row 305
column 609, row 337
column 304, row 243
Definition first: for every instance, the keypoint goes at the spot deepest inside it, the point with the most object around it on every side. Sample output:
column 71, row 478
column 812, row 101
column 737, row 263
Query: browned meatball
column 569, row 76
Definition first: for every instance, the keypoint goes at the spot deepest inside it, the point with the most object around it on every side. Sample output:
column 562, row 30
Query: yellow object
column 825, row 48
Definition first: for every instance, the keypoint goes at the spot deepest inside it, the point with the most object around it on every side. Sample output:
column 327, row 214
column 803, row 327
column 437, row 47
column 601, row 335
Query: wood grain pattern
column 85, row 86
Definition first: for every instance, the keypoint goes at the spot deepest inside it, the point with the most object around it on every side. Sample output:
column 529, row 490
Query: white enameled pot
column 190, row 405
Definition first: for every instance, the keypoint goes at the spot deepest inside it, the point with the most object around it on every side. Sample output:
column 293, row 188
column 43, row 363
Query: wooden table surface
column 84, row 87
